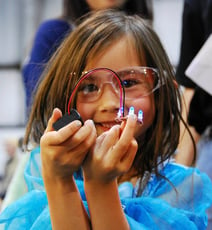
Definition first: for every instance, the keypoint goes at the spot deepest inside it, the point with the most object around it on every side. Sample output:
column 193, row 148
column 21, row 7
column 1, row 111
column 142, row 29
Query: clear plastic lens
column 137, row 82
column 92, row 86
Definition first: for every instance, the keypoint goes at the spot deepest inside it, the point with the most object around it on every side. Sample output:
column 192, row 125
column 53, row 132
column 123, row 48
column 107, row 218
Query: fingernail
column 115, row 127
column 78, row 123
column 89, row 122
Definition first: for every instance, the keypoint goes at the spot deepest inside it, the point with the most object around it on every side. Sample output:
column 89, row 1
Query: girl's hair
column 75, row 9
column 91, row 38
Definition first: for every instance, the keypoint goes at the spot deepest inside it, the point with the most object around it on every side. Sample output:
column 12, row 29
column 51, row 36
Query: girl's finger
column 127, row 160
column 127, row 134
column 62, row 135
column 111, row 137
column 85, row 137
column 56, row 114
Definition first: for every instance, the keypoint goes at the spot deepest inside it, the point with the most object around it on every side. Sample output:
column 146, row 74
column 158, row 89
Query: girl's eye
column 130, row 82
column 88, row 88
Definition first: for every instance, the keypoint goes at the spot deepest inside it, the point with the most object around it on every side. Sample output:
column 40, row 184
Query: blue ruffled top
column 180, row 202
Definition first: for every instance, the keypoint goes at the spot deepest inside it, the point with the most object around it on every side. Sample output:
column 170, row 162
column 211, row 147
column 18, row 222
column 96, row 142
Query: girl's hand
column 63, row 151
column 113, row 153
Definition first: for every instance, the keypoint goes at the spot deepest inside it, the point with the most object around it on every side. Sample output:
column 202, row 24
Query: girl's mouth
column 105, row 126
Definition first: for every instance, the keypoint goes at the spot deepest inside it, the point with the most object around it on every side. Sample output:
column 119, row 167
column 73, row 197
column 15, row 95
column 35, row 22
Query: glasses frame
column 133, row 68
column 86, row 74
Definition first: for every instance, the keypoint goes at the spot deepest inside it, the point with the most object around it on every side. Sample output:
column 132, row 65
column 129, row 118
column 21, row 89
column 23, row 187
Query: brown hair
column 90, row 38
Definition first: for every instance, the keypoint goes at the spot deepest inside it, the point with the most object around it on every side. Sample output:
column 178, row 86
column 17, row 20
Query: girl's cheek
column 145, row 104
column 85, row 111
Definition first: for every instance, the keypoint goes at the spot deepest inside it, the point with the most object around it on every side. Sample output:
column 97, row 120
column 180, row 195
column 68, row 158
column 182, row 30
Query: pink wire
column 86, row 75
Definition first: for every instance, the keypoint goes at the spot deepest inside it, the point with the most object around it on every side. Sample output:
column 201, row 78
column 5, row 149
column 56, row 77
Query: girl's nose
column 109, row 99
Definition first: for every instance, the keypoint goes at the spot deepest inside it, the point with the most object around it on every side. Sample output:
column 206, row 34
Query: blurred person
column 196, row 28
column 9, row 159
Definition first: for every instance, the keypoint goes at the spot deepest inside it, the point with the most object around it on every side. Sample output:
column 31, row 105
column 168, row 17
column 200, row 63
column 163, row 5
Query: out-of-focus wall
column 168, row 25
column 19, row 20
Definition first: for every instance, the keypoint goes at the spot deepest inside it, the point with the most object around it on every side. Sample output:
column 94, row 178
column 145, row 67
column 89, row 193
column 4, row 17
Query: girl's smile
column 105, row 126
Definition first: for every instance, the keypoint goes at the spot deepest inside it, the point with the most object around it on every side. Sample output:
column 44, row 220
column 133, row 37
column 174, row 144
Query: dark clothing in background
column 200, row 113
column 196, row 28
column 48, row 37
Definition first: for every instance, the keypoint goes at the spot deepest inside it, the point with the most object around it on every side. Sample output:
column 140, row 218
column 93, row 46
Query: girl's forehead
column 118, row 55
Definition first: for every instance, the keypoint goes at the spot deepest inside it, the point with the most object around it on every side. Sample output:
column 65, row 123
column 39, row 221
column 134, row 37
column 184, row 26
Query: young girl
column 114, row 170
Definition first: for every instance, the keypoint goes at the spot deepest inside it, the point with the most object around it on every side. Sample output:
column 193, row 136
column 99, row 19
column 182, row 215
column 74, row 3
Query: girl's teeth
column 107, row 125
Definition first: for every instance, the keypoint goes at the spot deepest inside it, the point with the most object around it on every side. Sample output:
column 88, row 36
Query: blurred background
column 19, row 19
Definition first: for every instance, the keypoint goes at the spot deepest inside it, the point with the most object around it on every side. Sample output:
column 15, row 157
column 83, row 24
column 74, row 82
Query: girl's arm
column 65, row 205
column 111, row 157
column 62, row 153
column 105, row 206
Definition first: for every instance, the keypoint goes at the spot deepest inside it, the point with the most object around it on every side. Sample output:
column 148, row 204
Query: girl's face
column 104, row 4
column 104, row 110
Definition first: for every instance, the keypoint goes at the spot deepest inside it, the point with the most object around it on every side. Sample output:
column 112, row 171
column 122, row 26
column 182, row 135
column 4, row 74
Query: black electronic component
column 66, row 119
